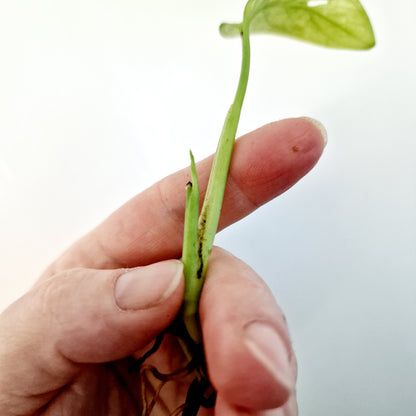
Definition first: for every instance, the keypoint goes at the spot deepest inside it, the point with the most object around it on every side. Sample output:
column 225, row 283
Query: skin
column 64, row 345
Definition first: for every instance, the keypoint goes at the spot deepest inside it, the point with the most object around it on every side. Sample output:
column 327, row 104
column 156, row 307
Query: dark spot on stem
column 295, row 149
column 201, row 231
column 189, row 184
column 201, row 264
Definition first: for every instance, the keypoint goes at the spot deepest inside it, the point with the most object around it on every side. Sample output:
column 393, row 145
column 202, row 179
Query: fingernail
column 320, row 127
column 144, row 287
column 270, row 350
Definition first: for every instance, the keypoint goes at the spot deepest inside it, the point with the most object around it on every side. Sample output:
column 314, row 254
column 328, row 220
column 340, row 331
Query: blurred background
column 99, row 99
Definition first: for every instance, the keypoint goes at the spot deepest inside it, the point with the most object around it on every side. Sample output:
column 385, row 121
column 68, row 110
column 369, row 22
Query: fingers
column 290, row 408
column 81, row 316
column 250, row 360
column 149, row 228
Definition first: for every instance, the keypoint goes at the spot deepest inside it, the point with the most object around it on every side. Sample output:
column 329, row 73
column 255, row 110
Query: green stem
column 211, row 209
column 190, row 258
column 196, row 260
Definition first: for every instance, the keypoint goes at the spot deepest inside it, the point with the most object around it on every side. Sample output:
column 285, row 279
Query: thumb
column 84, row 316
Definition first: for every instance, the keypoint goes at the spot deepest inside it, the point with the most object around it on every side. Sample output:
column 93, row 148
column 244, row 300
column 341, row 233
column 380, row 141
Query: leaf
column 332, row 23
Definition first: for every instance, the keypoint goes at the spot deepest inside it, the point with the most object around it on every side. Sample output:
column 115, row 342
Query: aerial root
column 152, row 381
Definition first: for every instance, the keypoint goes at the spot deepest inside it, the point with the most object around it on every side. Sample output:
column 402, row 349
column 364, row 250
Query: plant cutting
column 341, row 24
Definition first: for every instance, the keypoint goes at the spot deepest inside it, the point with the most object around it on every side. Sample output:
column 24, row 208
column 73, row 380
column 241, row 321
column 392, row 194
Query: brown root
column 153, row 382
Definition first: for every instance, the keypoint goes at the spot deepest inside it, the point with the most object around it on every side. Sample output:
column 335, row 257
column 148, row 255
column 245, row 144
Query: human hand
column 66, row 345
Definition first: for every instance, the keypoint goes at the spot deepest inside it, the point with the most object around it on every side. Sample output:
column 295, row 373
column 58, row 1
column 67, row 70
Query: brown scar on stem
column 295, row 149
column 203, row 222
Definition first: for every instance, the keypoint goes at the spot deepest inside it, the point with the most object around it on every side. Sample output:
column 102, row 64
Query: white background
column 99, row 99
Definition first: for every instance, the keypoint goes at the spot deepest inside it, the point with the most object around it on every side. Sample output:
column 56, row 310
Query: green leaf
column 332, row 23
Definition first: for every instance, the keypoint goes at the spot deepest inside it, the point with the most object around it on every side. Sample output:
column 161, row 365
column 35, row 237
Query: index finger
column 149, row 227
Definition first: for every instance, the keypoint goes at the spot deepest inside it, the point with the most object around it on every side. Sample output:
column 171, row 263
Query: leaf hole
column 315, row 3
